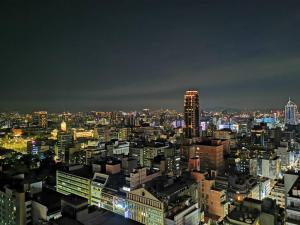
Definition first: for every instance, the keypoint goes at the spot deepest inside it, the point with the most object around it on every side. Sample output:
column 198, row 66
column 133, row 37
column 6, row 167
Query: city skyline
column 180, row 110
column 118, row 56
column 116, row 109
column 149, row 112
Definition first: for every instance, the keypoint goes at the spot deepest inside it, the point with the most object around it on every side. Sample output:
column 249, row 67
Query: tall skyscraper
column 64, row 141
column 191, row 114
column 41, row 119
column 291, row 113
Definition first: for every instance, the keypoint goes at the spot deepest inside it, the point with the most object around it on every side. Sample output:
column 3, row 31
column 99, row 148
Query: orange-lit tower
column 191, row 114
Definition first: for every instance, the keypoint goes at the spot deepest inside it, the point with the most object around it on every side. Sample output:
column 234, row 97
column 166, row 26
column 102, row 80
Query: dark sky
column 108, row 55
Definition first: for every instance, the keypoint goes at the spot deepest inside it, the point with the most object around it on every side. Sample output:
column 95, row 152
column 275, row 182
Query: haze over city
column 128, row 55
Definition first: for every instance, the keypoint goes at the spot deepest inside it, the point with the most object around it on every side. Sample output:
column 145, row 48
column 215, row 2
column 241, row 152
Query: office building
column 33, row 147
column 40, row 118
column 64, row 141
column 258, row 134
column 293, row 204
column 140, row 176
column 255, row 212
column 210, row 154
column 46, row 206
column 191, row 114
column 291, row 113
column 75, row 180
column 15, row 208
column 270, row 168
column 117, row 148
column 212, row 198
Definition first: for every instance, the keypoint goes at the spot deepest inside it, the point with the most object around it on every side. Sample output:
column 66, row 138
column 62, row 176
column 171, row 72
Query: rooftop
column 49, row 198
column 115, row 183
column 74, row 199
column 165, row 187
column 80, row 171
column 65, row 221
column 295, row 190
column 244, row 214
column 215, row 142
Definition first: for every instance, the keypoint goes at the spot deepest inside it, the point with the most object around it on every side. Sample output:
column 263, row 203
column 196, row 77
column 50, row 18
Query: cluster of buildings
column 151, row 167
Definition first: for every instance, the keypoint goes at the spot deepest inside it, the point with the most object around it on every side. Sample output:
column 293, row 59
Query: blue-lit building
column 33, row 147
column 291, row 113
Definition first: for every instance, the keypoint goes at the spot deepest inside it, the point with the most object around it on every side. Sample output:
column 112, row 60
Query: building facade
column 72, row 183
column 191, row 114
column 144, row 207
column 291, row 113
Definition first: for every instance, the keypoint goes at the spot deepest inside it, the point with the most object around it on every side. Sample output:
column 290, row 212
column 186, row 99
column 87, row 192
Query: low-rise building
column 140, row 176
column 255, row 212
column 293, row 204
column 278, row 194
column 46, row 206
column 75, row 180
column 165, row 201
column 212, row 198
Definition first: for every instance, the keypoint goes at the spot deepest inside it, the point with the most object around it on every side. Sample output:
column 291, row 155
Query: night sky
column 124, row 55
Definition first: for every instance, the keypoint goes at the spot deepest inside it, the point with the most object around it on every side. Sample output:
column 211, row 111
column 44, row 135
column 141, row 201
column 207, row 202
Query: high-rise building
column 291, row 113
column 258, row 136
column 14, row 208
column 210, row 154
column 212, row 198
column 41, row 119
column 191, row 114
column 64, row 141
column 33, row 147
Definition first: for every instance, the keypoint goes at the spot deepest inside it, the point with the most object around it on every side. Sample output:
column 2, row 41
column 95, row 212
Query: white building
column 293, row 205
column 188, row 216
column 270, row 168
column 121, row 148
column 291, row 113
column 286, row 156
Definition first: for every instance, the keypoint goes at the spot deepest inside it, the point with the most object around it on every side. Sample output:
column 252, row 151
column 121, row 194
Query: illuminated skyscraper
column 291, row 113
column 64, row 141
column 191, row 114
column 41, row 118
